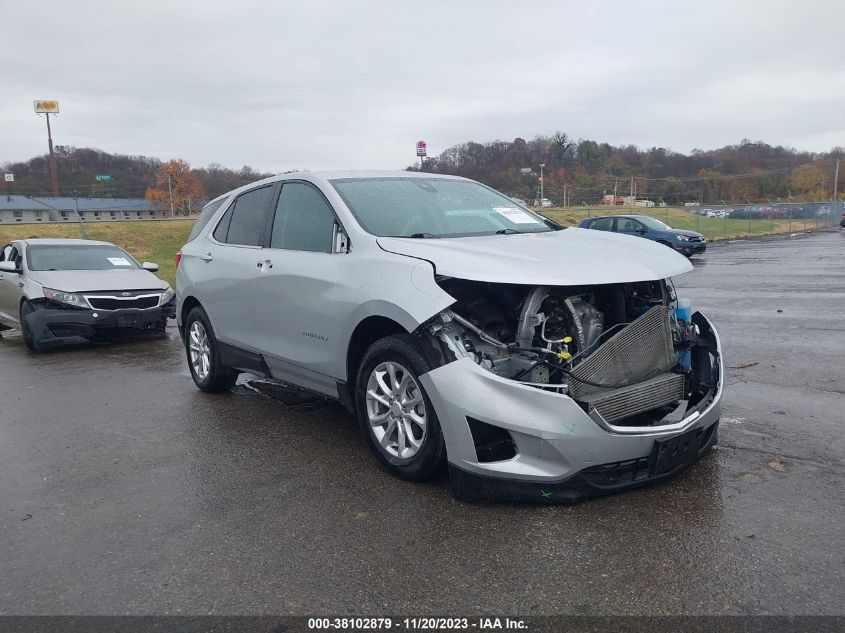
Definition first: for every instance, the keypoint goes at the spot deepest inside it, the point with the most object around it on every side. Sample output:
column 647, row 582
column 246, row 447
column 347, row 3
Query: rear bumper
column 55, row 327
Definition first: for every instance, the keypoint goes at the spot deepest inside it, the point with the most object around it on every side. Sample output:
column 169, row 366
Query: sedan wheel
column 396, row 410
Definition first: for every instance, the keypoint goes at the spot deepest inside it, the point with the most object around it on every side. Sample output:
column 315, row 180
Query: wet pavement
column 123, row 489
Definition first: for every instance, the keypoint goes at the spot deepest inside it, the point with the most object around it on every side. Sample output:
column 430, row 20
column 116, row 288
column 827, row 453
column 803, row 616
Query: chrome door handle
column 266, row 263
column 207, row 257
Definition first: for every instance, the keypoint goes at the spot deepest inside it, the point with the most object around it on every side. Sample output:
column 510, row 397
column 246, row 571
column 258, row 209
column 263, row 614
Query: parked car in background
column 547, row 204
column 688, row 243
column 61, row 292
column 842, row 221
column 458, row 327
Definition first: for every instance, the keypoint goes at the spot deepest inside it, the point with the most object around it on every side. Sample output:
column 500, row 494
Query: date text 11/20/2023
column 417, row 624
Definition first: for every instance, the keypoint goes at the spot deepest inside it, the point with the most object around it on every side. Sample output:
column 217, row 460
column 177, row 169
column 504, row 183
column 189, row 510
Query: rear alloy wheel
column 396, row 417
column 203, row 353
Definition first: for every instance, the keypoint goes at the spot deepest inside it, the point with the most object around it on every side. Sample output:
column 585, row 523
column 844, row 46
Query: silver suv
column 459, row 327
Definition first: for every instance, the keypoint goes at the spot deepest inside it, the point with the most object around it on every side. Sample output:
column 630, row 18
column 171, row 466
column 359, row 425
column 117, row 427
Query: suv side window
column 304, row 220
column 603, row 224
column 243, row 224
column 205, row 215
column 5, row 252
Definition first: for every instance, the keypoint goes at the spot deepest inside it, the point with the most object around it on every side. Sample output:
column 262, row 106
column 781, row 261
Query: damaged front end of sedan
column 571, row 391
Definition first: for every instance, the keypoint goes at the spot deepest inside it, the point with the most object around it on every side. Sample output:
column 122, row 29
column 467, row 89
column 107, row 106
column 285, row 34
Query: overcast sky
column 320, row 85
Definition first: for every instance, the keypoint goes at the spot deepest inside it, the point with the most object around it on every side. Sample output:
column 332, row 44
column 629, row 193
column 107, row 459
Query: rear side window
column 603, row 224
column 246, row 219
column 205, row 216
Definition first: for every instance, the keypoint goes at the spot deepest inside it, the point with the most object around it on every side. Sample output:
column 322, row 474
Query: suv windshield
column 78, row 257
column 434, row 207
column 651, row 223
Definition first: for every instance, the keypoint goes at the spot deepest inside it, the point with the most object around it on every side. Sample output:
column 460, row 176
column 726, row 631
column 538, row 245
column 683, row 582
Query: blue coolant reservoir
column 683, row 313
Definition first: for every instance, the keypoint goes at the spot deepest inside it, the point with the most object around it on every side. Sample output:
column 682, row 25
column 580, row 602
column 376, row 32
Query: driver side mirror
column 150, row 266
column 9, row 267
column 641, row 230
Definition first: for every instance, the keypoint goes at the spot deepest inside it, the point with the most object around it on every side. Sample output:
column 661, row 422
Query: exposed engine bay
column 630, row 354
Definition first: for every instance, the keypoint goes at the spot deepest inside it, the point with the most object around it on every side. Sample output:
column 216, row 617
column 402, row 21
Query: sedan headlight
column 166, row 296
column 683, row 238
column 67, row 298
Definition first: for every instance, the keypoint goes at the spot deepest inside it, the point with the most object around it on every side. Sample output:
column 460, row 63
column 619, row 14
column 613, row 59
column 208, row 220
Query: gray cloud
column 280, row 85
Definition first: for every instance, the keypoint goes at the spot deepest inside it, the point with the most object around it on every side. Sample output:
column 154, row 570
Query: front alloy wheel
column 396, row 410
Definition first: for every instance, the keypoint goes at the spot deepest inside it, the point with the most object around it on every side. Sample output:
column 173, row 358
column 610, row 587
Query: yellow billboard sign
column 44, row 106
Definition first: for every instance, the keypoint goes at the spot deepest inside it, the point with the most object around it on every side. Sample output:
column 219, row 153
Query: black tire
column 26, row 308
column 219, row 377
column 665, row 243
column 430, row 459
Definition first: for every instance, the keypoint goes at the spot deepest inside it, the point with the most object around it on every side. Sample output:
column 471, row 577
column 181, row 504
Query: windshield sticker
column 119, row 261
column 517, row 216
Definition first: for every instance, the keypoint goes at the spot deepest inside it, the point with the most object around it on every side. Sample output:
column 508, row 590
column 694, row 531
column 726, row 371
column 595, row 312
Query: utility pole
column 836, row 187
column 632, row 190
column 54, row 174
column 170, row 193
column 79, row 216
column 541, row 184
column 615, row 185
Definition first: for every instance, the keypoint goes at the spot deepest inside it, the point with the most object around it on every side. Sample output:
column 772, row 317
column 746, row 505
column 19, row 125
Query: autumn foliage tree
column 177, row 182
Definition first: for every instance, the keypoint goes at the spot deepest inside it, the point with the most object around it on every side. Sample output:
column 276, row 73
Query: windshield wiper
column 507, row 232
column 422, row 236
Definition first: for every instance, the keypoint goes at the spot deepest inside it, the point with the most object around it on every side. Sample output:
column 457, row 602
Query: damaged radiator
column 634, row 364
column 615, row 404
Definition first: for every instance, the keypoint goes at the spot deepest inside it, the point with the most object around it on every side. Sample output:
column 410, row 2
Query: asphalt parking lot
column 124, row 490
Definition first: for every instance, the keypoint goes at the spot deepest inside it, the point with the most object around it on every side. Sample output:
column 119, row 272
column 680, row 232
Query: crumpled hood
column 93, row 280
column 558, row 258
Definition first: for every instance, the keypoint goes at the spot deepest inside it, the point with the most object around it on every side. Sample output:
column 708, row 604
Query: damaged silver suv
column 459, row 327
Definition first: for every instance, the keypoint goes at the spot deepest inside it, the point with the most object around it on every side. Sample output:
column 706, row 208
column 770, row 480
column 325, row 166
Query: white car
column 62, row 292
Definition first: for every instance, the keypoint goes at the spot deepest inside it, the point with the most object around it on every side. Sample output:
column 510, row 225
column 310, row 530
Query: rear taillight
column 178, row 258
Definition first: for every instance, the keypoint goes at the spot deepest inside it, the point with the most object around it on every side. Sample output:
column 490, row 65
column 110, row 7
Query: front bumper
column 559, row 448
column 691, row 248
column 56, row 327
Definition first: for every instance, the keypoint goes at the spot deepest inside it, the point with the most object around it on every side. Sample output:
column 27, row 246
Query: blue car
column 687, row 243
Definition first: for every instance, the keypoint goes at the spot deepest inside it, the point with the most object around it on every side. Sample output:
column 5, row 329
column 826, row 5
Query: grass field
column 158, row 241
column 146, row 240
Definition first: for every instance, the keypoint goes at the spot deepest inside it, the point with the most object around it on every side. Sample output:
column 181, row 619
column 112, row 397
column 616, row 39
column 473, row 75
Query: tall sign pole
column 422, row 151
column 47, row 108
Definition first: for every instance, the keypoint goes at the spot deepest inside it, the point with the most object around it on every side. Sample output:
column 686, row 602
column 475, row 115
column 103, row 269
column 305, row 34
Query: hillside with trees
column 130, row 177
column 583, row 170
column 586, row 170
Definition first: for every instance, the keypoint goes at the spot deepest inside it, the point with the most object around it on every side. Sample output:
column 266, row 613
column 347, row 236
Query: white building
column 31, row 210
